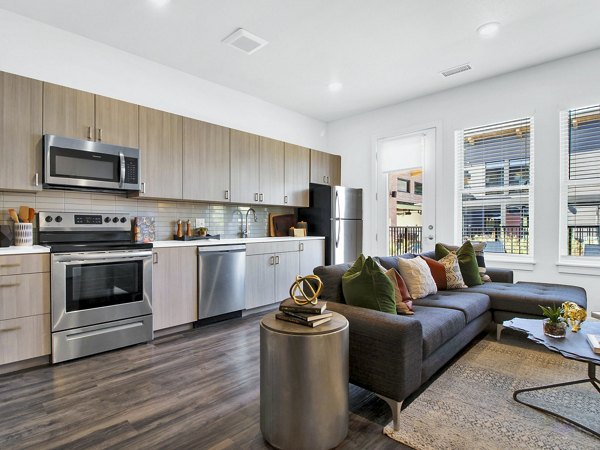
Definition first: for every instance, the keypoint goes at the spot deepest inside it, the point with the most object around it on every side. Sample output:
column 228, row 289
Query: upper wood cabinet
column 271, row 173
column 297, row 172
column 245, row 157
column 78, row 114
column 205, row 161
column 325, row 168
column 20, row 133
column 117, row 122
column 161, row 153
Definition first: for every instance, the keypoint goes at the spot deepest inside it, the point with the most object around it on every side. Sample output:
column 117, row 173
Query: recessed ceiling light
column 488, row 30
column 335, row 86
column 160, row 3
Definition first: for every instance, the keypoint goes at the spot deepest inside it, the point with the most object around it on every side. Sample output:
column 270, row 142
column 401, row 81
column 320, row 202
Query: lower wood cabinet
column 312, row 254
column 174, row 286
column 24, row 307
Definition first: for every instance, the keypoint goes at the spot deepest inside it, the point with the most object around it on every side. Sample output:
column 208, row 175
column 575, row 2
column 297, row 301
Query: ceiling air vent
column 455, row 70
column 245, row 41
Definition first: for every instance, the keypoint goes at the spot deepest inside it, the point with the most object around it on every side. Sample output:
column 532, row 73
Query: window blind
column 580, row 189
column 494, row 185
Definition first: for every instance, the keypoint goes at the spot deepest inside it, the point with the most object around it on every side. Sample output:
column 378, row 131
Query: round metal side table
column 304, row 383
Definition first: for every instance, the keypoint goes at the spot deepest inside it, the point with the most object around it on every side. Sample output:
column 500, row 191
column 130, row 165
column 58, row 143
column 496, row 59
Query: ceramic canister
column 23, row 234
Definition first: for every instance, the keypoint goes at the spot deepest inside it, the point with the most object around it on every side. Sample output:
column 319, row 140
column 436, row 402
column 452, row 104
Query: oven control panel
column 83, row 221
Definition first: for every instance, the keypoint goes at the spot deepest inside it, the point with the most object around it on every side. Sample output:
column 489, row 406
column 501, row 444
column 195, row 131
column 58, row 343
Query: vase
column 555, row 329
column 23, row 234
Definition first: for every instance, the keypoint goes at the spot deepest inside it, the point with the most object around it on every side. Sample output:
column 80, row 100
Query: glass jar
column 555, row 329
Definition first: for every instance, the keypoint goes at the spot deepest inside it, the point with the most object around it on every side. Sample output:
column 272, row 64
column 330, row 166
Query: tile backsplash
column 221, row 218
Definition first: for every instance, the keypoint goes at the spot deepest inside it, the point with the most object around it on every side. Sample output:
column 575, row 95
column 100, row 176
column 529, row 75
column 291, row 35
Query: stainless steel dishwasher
column 221, row 278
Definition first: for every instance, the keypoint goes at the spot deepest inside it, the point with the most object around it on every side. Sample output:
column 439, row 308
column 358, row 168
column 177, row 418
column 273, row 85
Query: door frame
column 379, row 236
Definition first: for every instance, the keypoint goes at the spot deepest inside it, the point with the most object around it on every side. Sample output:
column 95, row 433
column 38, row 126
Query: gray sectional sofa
column 393, row 355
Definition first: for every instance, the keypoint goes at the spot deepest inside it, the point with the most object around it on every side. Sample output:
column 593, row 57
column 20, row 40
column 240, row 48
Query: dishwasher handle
column 221, row 249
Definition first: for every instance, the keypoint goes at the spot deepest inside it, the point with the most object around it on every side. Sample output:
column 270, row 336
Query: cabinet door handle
column 10, row 265
column 10, row 285
column 301, row 246
column 99, row 134
column 37, row 179
column 256, row 196
column 285, row 199
column 154, row 258
column 227, row 194
column 2, row 330
column 324, row 179
column 328, row 180
column 90, row 133
column 143, row 188
column 277, row 259
column 272, row 261
column 261, row 197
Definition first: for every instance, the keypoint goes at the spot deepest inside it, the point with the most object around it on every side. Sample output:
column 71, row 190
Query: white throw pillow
column 417, row 276
column 454, row 279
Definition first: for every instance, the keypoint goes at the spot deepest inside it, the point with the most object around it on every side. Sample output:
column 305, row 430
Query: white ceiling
column 383, row 51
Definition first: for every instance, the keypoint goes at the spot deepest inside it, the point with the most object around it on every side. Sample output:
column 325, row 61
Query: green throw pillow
column 365, row 285
column 467, row 261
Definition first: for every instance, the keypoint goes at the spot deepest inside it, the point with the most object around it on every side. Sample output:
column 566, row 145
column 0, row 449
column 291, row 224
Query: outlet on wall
column 200, row 223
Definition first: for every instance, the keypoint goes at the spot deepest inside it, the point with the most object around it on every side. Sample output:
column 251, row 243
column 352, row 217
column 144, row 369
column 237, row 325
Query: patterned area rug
column 470, row 406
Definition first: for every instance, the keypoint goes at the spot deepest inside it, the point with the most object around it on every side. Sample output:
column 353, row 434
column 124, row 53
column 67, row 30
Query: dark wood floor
column 198, row 389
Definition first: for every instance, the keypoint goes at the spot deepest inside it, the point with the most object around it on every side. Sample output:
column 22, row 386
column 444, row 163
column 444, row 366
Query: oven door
column 98, row 287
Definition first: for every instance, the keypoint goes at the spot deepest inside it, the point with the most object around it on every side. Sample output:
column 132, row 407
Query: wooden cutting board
column 280, row 224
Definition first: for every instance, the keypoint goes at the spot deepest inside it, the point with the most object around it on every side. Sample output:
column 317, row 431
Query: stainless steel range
column 101, row 283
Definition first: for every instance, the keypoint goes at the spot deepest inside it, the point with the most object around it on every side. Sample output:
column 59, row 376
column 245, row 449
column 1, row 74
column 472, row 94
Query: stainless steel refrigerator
column 336, row 213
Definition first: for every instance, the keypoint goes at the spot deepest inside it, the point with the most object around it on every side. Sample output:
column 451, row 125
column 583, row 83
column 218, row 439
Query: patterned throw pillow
column 403, row 302
column 479, row 247
column 467, row 262
column 454, row 279
column 417, row 276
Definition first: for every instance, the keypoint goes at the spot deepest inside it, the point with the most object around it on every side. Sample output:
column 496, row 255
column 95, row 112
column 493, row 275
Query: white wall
column 36, row 50
column 540, row 91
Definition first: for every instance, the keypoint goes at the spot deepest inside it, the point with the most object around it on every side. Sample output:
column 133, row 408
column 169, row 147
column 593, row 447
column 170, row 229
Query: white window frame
column 520, row 262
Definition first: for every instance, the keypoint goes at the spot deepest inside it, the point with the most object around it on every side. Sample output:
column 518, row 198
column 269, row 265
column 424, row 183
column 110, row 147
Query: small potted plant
column 554, row 324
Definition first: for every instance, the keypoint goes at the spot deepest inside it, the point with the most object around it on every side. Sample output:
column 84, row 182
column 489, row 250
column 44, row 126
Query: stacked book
column 308, row 315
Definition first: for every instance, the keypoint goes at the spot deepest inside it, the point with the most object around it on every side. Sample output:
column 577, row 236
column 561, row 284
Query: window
column 403, row 185
column 418, row 188
column 494, row 174
column 580, row 186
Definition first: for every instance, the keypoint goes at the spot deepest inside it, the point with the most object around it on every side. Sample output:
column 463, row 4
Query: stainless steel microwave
column 86, row 165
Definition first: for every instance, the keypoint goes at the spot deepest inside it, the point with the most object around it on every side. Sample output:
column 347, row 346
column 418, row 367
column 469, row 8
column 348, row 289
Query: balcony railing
column 405, row 240
column 583, row 241
column 501, row 239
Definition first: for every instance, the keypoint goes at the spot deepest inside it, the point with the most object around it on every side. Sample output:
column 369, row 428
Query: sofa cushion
column 472, row 305
column 417, row 276
column 331, row 276
column 454, row 278
column 401, row 294
column 439, row 326
column 526, row 297
column 366, row 286
column 438, row 272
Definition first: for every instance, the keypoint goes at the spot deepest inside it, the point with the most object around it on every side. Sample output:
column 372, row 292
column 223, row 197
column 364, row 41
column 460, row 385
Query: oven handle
column 122, row 164
column 104, row 257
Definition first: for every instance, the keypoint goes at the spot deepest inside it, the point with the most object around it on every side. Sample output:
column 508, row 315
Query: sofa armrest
column 500, row 275
column 386, row 351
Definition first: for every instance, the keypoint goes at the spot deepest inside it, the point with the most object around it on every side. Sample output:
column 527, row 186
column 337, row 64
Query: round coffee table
column 304, row 383
column 574, row 346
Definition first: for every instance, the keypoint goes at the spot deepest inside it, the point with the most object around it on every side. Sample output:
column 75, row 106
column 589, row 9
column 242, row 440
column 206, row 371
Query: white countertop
column 206, row 242
column 4, row 251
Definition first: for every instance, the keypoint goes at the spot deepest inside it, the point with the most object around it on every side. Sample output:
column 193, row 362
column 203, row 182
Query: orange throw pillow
column 438, row 272
column 403, row 299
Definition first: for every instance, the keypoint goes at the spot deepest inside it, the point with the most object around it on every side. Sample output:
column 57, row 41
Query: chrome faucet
column 245, row 230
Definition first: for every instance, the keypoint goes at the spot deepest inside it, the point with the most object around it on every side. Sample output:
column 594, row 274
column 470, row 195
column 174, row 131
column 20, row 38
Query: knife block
column 6, row 235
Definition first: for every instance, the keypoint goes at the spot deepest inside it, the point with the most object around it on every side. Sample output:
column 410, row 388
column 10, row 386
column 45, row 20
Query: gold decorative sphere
column 307, row 280
column 574, row 314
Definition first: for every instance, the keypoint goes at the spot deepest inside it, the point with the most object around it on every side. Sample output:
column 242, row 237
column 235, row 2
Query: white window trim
column 517, row 262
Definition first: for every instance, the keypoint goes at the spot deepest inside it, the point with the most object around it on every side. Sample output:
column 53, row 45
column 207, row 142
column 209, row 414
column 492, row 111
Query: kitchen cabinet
column 325, row 168
column 245, row 166
column 297, row 175
column 24, row 307
column 174, row 286
column 312, row 254
column 20, row 133
column 161, row 148
column 82, row 115
column 271, row 268
column 205, row 161
column 271, row 172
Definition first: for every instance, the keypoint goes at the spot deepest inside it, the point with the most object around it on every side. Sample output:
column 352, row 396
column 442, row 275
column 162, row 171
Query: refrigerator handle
column 337, row 234
column 337, row 205
column 337, row 219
